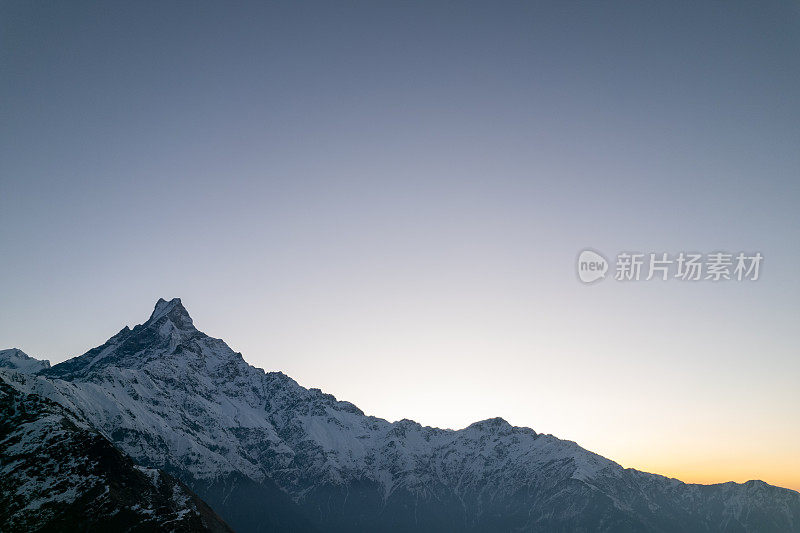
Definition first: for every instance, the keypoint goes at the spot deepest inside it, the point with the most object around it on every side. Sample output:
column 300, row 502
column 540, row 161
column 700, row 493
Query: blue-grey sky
column 386, row 200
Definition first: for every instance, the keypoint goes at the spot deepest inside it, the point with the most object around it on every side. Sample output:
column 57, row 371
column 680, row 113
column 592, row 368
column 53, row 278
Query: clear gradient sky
column 386, row 200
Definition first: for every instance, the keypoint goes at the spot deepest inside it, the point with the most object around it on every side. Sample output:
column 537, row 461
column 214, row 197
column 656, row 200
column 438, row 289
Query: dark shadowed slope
column 58, row 474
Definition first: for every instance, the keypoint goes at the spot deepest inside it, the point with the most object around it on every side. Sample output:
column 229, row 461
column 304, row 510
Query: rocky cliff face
column 270, row 455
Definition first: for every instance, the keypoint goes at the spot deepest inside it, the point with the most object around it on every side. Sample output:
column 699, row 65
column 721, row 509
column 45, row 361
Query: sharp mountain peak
column 174, row 311
column 262, row 449
column 169, row 330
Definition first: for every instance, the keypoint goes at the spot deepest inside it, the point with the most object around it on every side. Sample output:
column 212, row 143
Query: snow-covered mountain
column 19, row 360
column 268, row 454
column 59, row 474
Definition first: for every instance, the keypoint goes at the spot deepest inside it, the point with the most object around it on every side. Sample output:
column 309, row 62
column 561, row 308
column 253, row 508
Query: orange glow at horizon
column 774, row 472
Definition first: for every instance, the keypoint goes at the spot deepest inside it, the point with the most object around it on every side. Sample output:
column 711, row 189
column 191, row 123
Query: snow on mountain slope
column 175, row 398
column 59, row 474
column 16, row 359
column 203, row 407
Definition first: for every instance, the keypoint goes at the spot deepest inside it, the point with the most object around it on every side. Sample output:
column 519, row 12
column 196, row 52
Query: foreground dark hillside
column 58, row 474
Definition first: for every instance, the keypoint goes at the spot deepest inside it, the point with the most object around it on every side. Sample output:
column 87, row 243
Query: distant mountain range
column 133, row 431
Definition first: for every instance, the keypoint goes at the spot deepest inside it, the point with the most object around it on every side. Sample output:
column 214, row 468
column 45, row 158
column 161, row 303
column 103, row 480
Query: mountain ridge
column 174, row 398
